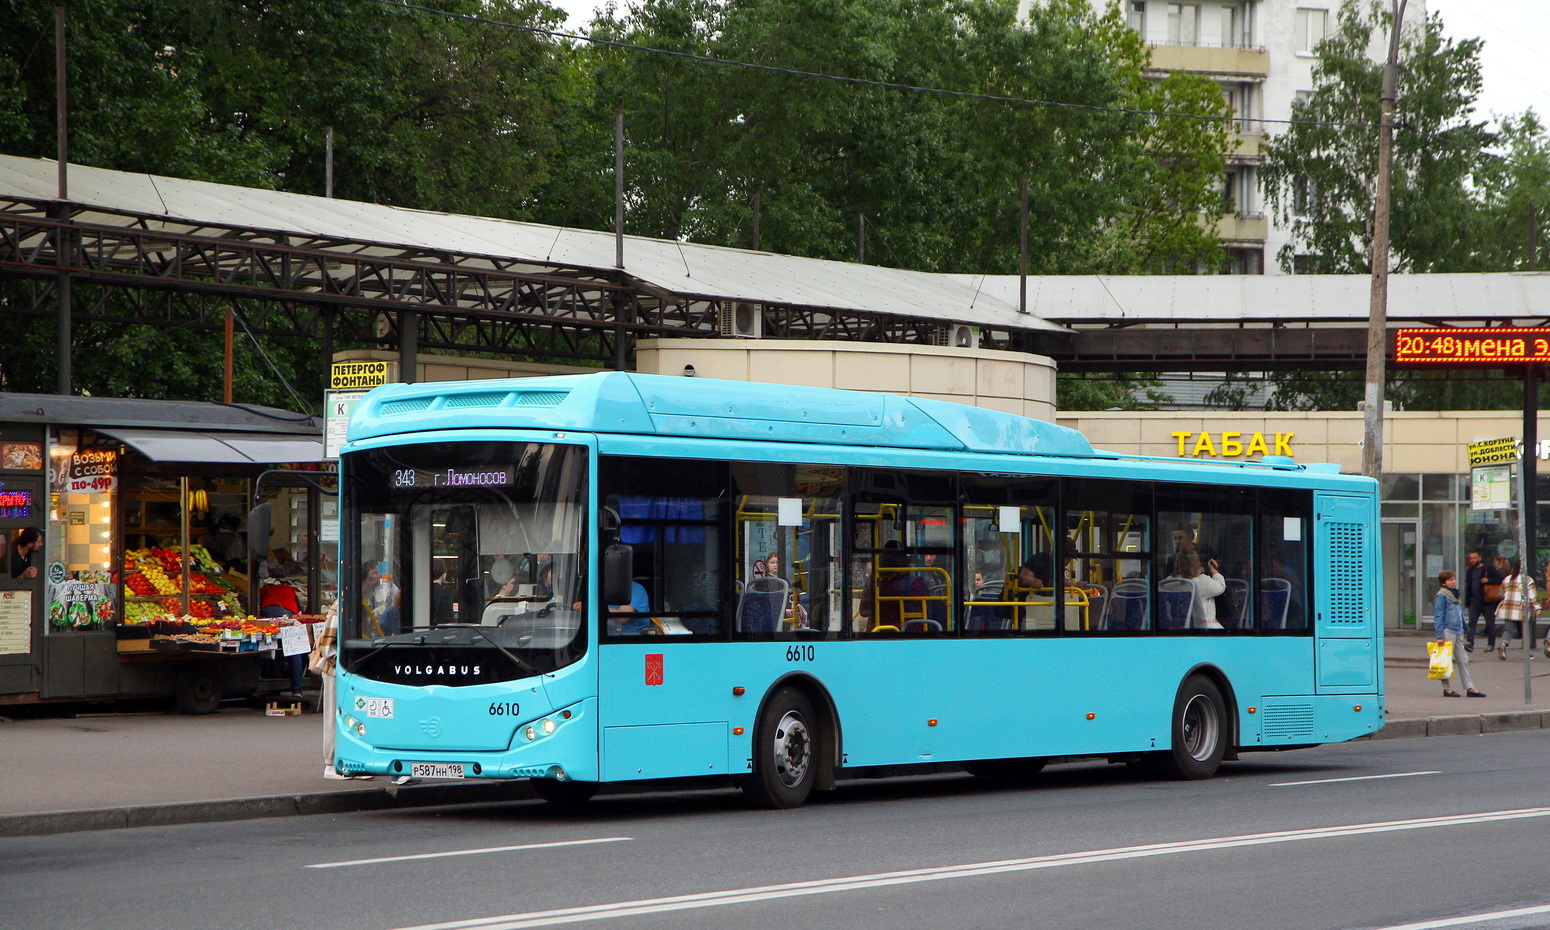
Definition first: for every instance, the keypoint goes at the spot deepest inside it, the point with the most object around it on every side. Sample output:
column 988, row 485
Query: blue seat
column 761, row 605
column 1127, row 607
column 1275, row 596
column 1175, row 603
column 987, row 616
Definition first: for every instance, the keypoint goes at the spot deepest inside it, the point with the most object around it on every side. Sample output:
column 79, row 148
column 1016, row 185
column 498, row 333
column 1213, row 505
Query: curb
column 292, row 805
column 1463, row 725
column 390, row 798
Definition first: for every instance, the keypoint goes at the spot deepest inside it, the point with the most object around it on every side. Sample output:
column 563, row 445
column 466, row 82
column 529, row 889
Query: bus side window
column 1282, row 596
column 671, row 514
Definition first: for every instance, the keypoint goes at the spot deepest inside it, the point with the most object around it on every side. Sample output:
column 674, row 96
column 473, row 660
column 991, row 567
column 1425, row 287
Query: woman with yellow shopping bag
column 1448, row 621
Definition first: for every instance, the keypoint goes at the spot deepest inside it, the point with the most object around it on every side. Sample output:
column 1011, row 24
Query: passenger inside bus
column 1035, row 581
column 637, row 612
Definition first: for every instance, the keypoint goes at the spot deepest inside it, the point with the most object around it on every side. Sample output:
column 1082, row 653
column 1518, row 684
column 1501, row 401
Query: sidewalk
column 1416, row 706
column 107, row 770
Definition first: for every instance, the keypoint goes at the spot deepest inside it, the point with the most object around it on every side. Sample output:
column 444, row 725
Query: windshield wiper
column 521, row 662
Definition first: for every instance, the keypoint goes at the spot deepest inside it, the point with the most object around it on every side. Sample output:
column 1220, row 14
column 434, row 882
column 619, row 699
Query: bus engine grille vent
column 1288, row 721
column 1349, row 582
column 487, row 399
column 395, row 407
column 540, row 398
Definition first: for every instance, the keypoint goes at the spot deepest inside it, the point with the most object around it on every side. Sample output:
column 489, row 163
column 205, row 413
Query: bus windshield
column 469, row 561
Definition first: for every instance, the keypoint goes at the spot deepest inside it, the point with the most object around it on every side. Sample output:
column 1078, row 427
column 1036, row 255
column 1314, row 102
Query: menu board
column 15, row 622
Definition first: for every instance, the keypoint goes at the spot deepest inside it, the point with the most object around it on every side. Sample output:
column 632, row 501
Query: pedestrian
column 278, row 600
column 1519, row 603
column 325, row 656
column 1478, row 601
column 28, row 541
column 1448, row 621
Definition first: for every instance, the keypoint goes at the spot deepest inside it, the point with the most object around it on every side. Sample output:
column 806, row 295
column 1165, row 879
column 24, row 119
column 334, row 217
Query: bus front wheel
column 564, row 793
column 784, row 743
column 1199, row 732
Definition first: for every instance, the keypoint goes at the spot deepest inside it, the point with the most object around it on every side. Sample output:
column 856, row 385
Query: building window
column 1304, row 197
column 1230, row 38
column 1240, row 100
column 1238, row 191
column 1138, row 17
column 1312, row 26
column 1183, row 23
column 1243, row 261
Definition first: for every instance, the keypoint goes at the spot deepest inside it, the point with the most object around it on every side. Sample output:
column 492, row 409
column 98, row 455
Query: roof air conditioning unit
column 962, row 336
column 742, row 320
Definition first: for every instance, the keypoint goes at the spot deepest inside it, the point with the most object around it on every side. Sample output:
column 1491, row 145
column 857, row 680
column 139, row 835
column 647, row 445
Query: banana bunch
column 198, row 502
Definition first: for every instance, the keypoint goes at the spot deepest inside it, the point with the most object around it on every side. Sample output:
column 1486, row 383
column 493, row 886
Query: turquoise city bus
column 622, row 578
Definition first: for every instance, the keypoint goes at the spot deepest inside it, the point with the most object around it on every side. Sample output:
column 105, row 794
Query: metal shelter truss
column 151, row 270
column 159, row 251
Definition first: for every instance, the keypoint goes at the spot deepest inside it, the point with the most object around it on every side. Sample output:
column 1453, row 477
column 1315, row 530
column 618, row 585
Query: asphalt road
column 1378, row 834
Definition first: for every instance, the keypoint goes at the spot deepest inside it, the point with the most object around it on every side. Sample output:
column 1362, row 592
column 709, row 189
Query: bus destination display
column 1503, row 346
column 487, row 477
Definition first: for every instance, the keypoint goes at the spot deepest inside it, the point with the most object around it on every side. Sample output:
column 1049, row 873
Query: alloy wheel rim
column 792, row 749
column 1200, row 727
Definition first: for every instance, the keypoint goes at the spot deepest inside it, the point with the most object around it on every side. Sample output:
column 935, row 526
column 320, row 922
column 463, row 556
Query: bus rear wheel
column 564, row 793
column 1199, row 732
column 784, row 758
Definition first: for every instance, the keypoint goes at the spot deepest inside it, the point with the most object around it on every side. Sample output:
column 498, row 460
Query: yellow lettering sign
column 1231, row 443
column 348, row 375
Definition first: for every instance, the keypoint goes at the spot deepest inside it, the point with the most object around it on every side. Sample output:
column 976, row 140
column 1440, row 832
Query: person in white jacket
column 1208, row 582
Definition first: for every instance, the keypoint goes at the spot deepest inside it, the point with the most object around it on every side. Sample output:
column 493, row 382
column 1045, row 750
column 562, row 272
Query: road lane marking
column 1331, row 781
column 646, row 906
column 1472, row 919
column 469, row 852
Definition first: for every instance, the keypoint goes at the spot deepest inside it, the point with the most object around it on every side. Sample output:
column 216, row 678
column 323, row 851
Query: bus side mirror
column 258, row 531
column 618, row 566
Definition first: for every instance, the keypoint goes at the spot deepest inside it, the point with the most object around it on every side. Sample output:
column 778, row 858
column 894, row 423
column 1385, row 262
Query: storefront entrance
column 21, row 597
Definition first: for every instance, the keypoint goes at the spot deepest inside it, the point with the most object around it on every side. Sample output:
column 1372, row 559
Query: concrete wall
column 1013, row 382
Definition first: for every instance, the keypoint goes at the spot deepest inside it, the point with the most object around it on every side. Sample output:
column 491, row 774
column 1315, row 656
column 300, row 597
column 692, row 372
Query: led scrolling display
column 1503, row 346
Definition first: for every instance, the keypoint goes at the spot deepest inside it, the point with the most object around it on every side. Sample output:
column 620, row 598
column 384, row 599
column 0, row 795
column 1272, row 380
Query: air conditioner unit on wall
column 742, row 320
column 962, row 336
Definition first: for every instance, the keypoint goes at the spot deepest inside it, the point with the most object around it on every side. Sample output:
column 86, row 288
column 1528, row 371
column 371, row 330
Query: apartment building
column 1261, row 53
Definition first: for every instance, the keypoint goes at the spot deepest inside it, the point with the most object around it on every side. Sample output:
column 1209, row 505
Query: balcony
column 1240, row 63
column 1244, row 229
column 1245, row 147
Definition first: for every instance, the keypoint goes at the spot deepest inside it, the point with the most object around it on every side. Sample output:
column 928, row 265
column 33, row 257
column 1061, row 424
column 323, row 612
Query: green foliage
column 1450, row 205
column 463, row 116
column 1110, row 391
column 935, row 177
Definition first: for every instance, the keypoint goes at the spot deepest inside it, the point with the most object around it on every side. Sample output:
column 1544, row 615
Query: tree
column 935, row 177
column 1319, row 173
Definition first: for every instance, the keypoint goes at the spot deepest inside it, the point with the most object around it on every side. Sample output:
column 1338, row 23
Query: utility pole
column 64, row 243
column 1377, row 316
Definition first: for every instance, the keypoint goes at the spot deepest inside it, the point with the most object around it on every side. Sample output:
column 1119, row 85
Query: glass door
column 1401, row 583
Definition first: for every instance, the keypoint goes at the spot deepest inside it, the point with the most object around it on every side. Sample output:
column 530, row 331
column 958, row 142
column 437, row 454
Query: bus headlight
column 530, row 733
column 547, row 726
column 354, row 726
